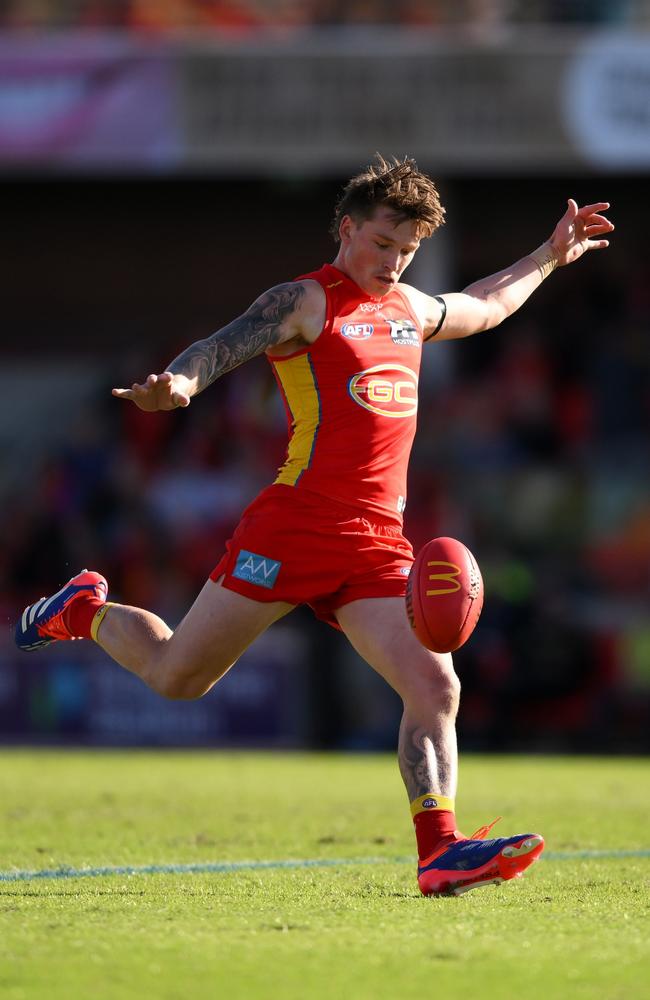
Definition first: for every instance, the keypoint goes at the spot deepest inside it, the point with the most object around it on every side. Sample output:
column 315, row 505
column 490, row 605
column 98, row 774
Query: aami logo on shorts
column 256, row 569
column 391, row 390
column 357, row 331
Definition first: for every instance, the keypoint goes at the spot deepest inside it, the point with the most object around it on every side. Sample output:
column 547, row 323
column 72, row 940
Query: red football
column 444, row 594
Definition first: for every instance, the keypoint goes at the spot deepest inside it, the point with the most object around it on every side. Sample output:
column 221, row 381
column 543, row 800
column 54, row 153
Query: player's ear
column 346, row 228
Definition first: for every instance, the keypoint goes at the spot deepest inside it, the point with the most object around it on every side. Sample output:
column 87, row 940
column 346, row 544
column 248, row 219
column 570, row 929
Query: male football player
column 344, row 342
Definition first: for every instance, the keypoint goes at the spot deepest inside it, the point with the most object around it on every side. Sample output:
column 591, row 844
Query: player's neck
column 339, row 263
column 342, row 265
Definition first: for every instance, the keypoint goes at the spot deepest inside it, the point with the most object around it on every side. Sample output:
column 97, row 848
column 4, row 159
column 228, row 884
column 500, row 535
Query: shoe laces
column 479, row 834
column 483, row 831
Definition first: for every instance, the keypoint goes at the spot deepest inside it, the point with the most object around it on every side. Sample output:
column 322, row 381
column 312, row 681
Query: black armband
column 443, row 314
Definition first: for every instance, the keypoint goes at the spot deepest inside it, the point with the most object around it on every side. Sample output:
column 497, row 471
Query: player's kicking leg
column 183, row 663
column 449, row 863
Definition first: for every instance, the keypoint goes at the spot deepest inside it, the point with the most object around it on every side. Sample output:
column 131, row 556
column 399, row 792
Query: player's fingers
column 598, row 220
column 597, row 244
column 567, row 218
column 563, row 230
column 123, row 393
column 594, row 230
column 599, row 206
column 180, row 399
column 147, row 386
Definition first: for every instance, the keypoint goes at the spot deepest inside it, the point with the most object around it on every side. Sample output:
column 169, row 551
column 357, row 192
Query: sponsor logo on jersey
column 403, row 332
column 253, row 568
column 357, row 331
column 370, row 307
column 390, row 390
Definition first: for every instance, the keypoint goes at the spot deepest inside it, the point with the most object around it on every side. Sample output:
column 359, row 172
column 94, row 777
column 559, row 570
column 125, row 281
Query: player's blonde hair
column 399, row 185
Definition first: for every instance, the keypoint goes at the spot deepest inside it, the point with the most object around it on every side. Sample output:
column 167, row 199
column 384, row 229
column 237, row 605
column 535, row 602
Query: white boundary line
column 224, row 867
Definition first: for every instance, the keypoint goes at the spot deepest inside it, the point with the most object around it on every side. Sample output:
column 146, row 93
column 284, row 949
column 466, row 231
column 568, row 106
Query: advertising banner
column 75, row 101
column 78, row 696
column 264, row 104
column 317, row 108
column 607, row 100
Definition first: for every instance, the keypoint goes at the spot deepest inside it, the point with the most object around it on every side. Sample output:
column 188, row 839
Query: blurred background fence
column 160, row 165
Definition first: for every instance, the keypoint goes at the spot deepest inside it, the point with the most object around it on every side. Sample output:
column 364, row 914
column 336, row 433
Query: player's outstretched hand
column 578, row 229
column 158, row 392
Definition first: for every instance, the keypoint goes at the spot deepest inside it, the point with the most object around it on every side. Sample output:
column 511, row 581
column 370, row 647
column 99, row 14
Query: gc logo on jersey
column 390, row 390
column 403, row 333
column 357, row 331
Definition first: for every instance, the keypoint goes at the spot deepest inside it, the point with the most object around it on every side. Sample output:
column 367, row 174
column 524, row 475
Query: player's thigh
column 379, row 630
column 217, row 629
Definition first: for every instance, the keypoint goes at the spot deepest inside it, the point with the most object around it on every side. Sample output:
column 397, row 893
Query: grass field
column 576, row 926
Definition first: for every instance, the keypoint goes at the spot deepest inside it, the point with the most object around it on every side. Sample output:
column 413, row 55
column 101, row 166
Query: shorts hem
column 387, row 591
column 327, row 612
column 244, row 589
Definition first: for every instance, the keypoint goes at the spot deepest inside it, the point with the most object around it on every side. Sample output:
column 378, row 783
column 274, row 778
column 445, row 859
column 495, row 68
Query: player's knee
column 444, row 693
column 449, row 692
column 183, row 680
column 183, row 688
column 435, row 686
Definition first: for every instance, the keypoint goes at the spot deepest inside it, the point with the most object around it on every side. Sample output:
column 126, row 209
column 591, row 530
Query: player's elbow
column 495, row 313
column 482, row 312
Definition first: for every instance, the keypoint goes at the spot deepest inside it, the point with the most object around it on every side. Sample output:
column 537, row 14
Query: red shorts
column 295, row 546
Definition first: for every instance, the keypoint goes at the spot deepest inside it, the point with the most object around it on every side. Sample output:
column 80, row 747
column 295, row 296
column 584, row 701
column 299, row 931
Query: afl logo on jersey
column 390, row 390
column 357, row 331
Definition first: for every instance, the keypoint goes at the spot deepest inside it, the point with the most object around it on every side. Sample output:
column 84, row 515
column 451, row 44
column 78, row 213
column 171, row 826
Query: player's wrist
column 546, row 258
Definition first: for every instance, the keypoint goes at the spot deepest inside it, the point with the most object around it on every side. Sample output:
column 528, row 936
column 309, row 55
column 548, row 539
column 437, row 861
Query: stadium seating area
column 171, row 15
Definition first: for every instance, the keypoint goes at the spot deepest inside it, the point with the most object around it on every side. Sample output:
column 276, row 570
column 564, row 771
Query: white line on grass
column 223, row 867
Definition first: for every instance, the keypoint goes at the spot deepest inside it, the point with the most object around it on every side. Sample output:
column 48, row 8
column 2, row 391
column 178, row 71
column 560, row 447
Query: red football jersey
column 351, row 398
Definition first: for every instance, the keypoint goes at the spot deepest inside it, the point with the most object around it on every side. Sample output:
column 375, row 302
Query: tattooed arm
column 285, row 312
column 486, row 303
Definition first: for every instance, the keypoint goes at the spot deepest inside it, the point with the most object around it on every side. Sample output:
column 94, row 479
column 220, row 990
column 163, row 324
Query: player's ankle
column 434, row 820
column 98, row 618
column 79, row 615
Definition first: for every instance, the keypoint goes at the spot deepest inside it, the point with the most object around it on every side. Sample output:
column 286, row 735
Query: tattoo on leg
column 244, row 338
column 414, row 761
column 425, row 763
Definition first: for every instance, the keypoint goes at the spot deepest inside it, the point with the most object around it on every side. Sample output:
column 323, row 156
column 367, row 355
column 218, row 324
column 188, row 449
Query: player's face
column 375, row 252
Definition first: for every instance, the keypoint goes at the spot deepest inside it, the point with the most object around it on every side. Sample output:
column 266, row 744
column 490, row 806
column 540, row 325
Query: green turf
column 571, row 928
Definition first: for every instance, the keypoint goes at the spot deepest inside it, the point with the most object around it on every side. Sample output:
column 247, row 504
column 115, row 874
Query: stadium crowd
column 174, row 15
column 537, row 459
